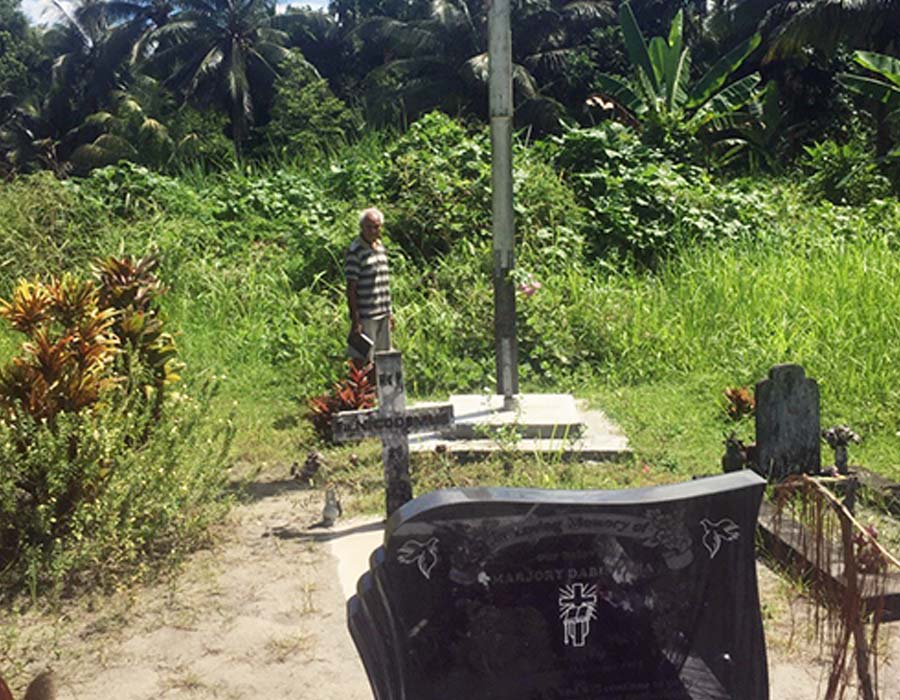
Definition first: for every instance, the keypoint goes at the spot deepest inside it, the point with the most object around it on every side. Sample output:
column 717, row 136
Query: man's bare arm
column 353, row 305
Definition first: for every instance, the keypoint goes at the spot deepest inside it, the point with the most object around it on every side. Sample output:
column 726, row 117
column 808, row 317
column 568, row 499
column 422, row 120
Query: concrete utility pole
column 501, row 105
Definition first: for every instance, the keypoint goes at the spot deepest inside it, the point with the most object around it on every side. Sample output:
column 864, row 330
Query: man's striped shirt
column 368, row 267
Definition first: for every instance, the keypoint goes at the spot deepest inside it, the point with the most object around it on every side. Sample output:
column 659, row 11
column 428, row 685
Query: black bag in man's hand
column 361, row 343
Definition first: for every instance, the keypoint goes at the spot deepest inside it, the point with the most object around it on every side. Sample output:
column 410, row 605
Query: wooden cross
column 392, row 422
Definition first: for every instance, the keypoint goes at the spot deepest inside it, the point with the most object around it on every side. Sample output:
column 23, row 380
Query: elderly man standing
column 368, row 289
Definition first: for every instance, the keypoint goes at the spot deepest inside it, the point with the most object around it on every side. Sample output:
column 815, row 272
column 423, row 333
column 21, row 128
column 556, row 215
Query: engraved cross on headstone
column 393, row 423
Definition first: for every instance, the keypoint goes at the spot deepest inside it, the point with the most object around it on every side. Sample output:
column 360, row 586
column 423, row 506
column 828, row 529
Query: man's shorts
column 379, row 330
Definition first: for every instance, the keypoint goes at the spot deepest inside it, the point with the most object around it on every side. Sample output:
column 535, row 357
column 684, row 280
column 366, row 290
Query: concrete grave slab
column 548, row 424
column 535, row 416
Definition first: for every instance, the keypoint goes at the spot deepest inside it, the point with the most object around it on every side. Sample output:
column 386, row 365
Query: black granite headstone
column 520, row 594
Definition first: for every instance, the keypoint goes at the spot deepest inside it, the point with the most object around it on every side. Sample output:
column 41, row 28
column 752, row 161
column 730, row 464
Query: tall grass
column 723, row 316
column 253, row 260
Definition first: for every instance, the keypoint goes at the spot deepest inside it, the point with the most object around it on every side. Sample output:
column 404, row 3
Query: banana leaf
column 659, row 60
column 676, row 33
column 678, row 86
column 621, row 92
column 727, row 100
column 886, row 66
column 724, row 67
column 873, row 88
column 635, row 45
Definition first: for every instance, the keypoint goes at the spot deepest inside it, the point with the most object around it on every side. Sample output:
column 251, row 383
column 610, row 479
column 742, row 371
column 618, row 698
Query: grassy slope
column 655, row 350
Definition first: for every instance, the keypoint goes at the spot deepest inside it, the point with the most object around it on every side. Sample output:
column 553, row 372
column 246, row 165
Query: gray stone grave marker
column 392, row 422
column 527, row 594
column 787, row 423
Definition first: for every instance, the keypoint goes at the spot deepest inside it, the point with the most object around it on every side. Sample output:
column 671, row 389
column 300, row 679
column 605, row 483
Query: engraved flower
column 424, row 554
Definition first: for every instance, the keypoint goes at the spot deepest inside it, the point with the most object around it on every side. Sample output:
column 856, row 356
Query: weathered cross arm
column 356, row 425
column 393, row 423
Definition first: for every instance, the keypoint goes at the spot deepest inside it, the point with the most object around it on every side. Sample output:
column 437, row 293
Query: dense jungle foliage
column 702, row 190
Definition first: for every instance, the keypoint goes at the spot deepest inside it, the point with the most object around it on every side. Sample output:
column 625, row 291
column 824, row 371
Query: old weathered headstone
column 392, row 422
column 515, row 594
column 787, row 423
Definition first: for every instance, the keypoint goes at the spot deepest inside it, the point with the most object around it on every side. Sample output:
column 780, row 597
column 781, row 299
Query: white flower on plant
column 840, row 436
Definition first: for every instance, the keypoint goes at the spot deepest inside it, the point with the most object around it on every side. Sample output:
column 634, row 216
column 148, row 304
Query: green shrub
column 438, row 198
column 843, row 173
column 201, row 138
column 356, row 175
column 307, row 119
column 438, row 186
column 82, row 408
column 100, row 513
column 280, row 194
column 643, row 206
column 131, row 191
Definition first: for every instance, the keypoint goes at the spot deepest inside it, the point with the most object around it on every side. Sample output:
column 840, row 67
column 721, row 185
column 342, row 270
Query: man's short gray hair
column 371, row 212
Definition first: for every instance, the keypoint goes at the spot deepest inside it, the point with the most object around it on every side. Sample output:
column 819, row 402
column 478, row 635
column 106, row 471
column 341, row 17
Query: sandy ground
column 262, row 615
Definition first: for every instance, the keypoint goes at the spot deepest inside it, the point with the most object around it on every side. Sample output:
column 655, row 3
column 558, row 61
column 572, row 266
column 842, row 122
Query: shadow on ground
column 318, row 533
column 259, row 490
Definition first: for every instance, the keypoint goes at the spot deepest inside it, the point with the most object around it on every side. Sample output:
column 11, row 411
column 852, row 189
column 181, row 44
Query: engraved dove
column 425, row 555
column 714, row 533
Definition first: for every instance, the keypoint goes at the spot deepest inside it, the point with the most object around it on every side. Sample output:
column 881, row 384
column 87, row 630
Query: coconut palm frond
column 553, row 60
column 524, row 81
column 404, row 38
column 154, row 130
column 476, row 70
column 590, row 10
column 273, row 54
column 824, row 24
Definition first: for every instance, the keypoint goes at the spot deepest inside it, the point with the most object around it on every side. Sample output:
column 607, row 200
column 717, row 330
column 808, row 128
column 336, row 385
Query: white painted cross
column 393, row 423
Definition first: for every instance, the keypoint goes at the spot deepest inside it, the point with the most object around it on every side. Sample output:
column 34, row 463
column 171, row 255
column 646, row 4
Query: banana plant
column 660, row 94
column 755, row 142
column 885, row 88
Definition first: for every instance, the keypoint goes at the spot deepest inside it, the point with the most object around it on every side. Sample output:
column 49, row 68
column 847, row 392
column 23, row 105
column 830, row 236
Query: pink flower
column 529, row 286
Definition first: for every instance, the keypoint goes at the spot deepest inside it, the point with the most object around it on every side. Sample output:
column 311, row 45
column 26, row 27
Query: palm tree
column 824, row 24
column 28, row 140
column 131, row 22
column 440, row 59
column 87, row 64
column 37, row 131
column 323, row 41
column 126, row 130
column 222, row 50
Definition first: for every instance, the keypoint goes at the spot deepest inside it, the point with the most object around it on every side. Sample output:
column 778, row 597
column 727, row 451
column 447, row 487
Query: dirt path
column 261, row 615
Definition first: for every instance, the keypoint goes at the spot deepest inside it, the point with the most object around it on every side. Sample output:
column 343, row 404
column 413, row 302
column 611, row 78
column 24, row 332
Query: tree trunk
column 238, row 128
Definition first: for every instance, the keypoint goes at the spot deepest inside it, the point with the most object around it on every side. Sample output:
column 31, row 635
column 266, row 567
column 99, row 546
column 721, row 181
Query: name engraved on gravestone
column 355, row 425
column 625, row 595
column 788, row 437
column 392, row 422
